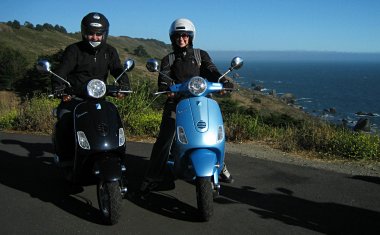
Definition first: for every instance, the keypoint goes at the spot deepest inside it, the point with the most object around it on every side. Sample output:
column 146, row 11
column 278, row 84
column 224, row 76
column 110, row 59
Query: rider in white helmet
column 183, row 63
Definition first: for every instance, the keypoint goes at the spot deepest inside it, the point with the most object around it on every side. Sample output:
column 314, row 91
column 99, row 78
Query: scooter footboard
column 204, row 162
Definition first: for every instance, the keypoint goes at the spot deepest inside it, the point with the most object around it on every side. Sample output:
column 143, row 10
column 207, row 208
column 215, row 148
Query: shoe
column 225, row 176
column 166, row 185
column 146, row 188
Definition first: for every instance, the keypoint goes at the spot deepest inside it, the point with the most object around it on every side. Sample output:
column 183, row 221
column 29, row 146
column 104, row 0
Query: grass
column 142, row 119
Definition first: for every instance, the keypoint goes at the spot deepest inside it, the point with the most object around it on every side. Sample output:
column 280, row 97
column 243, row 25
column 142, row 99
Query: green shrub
column 35, row 114
column 355, row 145
column 143, row 124
column 7, row 120
column 240, row 127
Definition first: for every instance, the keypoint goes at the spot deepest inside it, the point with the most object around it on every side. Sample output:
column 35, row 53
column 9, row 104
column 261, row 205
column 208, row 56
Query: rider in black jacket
column 81, row 62
column 90, row 58
column 182, row 64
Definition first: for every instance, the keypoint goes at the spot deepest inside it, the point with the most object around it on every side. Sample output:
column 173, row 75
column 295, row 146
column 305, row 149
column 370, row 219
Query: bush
column 35, row 114
column 143, row 124
column 7, row 120
column 239, row 127
column 137, row 112
column 355, row 145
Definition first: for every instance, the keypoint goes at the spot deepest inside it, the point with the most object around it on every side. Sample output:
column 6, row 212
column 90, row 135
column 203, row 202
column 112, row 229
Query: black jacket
column 185, row 67
column 81, row 63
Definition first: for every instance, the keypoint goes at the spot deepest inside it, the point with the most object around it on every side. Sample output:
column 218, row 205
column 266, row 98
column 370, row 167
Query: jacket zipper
column 96, row 52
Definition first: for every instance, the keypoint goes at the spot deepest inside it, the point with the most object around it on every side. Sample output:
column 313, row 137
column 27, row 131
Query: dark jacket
column 185, row 67
column 81, row 63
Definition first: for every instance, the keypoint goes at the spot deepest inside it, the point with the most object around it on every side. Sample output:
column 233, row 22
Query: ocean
column 334, row 90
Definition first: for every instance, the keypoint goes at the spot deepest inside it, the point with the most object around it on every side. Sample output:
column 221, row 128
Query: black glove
column 163, row 87
column 59, row 91
column 125, row 87
column 227, row 84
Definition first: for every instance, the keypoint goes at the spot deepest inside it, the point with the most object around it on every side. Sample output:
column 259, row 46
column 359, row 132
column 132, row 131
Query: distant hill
column 32, row 43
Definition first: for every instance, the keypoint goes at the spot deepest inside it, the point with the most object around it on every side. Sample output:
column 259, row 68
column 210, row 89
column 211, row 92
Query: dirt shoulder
column 263, row 151
column 257, row 150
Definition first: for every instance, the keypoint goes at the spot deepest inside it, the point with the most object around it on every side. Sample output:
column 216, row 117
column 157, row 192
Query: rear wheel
column 110, row 201
column 204, row 193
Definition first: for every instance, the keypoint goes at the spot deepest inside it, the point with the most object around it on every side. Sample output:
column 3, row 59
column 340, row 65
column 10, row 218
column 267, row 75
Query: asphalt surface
column 267, row 197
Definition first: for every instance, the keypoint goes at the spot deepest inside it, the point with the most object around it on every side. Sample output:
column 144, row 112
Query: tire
column 110, row 201
column 204, row 193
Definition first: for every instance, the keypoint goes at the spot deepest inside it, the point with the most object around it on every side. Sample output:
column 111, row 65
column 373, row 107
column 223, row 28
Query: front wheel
column 110, row 201
column 204, row 197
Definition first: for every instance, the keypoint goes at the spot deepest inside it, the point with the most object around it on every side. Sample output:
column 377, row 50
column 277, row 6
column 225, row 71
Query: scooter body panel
column 201, row 120
column 99, row 120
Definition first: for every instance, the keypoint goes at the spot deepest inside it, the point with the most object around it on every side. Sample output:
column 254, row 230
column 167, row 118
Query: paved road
column 266, row 198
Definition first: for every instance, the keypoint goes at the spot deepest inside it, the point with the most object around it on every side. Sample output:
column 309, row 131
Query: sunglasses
column 182, row 35
column 97, row 34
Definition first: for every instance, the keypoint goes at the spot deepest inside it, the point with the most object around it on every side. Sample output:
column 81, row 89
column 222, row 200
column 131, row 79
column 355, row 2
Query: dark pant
column 161, row 148
column 64, row 130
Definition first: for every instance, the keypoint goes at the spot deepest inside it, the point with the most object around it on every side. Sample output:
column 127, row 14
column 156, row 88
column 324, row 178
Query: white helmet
column 182, row 25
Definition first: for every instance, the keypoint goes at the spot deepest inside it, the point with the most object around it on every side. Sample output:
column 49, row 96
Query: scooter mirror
column 129, row 64
column 43, row 66
column 237, row 62
column 152, row 65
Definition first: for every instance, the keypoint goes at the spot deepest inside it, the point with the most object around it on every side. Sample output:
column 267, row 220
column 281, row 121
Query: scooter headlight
column 197, row 86
column 96, row 88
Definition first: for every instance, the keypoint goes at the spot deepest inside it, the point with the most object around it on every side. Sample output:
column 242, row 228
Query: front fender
column 108, row 169
column 204, row 162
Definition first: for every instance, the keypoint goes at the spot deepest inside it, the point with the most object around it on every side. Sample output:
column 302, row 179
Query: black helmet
column 95, row 22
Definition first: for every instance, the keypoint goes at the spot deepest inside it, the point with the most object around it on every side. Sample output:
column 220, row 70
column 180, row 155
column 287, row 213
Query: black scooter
column 99, row 143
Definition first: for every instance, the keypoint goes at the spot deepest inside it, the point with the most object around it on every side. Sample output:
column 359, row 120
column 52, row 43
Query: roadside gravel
column 260, row 151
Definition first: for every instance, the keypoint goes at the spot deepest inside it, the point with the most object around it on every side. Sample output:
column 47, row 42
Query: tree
column 29, row 25
column 59, row 28
column 39, row 27
column 34, row 81
column 12, row 67
column 140, row 51
column 15, row 24
column 48, row 26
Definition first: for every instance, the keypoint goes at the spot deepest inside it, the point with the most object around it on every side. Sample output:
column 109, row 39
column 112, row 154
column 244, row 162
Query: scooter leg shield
column 203, row 161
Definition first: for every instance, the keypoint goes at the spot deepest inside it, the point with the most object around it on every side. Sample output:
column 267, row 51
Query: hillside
column 32, row 43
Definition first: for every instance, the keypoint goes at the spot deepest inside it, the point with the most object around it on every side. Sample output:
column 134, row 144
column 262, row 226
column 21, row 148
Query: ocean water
column 348, row 87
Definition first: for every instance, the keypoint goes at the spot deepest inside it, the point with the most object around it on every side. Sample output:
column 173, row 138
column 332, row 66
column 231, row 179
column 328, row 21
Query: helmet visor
column 96, row 31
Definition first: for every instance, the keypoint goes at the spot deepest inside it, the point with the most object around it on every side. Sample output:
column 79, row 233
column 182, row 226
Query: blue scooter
column 197, row 154
column 98, row 143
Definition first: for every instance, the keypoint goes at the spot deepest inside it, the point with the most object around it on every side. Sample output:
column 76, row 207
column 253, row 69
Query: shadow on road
column 328, row 218
column 371, row 179
column 36, row 176
column 158, row 202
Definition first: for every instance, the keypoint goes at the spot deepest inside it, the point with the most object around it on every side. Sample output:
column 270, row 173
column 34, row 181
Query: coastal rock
column 363, row 124
column 288, row 98
column 360, row 113
column 258, row 88
column 273, row 93
column 330, row 110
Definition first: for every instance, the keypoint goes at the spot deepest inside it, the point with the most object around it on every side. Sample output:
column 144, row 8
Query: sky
column 240, row 25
